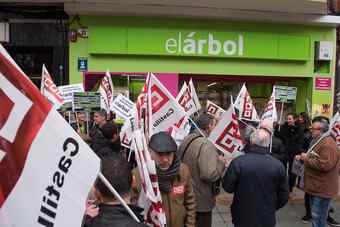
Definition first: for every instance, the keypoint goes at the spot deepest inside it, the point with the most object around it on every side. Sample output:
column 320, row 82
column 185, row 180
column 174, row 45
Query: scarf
column 166, row 177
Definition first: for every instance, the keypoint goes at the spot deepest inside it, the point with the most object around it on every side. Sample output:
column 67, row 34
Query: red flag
column 49, row 89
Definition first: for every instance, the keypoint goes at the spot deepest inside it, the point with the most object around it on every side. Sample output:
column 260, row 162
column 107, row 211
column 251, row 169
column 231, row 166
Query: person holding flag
column 321, row 171
column 206, row 165
column 174, row 181
column 111, row 212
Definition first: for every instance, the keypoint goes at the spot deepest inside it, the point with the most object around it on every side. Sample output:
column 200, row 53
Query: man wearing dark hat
column 174, row 181
column 206, row 166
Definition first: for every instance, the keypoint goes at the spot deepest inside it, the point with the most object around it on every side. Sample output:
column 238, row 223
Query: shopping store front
column 219, row 56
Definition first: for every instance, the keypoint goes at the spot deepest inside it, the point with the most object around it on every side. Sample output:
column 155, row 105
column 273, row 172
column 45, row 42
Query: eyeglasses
column 315, row 128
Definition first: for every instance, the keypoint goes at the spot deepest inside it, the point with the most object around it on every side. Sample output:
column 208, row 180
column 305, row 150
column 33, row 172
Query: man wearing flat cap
column 174, row 181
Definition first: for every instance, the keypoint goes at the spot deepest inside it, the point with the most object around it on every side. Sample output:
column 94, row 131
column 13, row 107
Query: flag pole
column 115, row 193
column 282, row 104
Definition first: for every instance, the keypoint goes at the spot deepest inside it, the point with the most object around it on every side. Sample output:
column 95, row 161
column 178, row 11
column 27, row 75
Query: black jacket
column 260, row 187
column 292, row 138
column 115, row 216
column 279, row 151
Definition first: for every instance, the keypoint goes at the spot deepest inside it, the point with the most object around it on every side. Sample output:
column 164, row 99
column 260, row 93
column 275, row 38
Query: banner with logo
column 245, row 106
column 214, row 110
column 270, row 111
column 67, row 93
column 49, row 89
column 194, row 95
column 46, row 169
column 184, row 98
column 163, row 110
column 150, row 197
column 122, row 106
column 226, row 134
column 106, row 92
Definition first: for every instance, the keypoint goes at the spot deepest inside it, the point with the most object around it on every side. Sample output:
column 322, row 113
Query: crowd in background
column 191, row 174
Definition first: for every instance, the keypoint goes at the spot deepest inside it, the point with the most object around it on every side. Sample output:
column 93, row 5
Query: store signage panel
column 322, row 83
column 199, row 43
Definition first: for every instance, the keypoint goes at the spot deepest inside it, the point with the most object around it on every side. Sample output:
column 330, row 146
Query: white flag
column 106, row 92
column 226, row 134
column 150, row 197
column 270, row 112
column 49, row 89
column 194, row 95
column 214, row 110
column 163, row 110
column 184, row 98
column 46, row 169
column 335, row 129
column 245, row 106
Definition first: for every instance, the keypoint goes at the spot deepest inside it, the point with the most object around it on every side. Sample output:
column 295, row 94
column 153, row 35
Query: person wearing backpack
column 206, row 166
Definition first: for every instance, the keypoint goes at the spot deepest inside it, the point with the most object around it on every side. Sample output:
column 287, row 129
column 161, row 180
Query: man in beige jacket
column 206, row 166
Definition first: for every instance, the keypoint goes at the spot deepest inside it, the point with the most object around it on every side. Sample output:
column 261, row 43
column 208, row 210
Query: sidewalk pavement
column 288, row 216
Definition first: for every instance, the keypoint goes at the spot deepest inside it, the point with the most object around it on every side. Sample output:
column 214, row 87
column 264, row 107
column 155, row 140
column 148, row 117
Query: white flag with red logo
column 180, row 130
column 150, row 197
column 163, row 110
column 141, row 105
column 226, row 134
column 194, row 95
column 245, row 106
column 106, row 92
column 335, row 128
column 185, row 99
column 214, row 110
column 270, row 112
column 46, row 169
column 49, row 89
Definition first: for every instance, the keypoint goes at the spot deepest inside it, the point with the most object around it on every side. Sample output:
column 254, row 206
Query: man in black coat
column 259, row 184
column 111, row 212
column 292, row 138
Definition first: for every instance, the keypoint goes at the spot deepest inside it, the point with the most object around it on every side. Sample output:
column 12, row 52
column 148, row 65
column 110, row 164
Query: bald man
column 258, row 182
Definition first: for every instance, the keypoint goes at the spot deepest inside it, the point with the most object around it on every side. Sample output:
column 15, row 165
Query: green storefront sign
column 217, row 44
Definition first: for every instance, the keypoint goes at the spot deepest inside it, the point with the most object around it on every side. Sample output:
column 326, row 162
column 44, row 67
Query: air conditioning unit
column 4, row 32
column 324, row 50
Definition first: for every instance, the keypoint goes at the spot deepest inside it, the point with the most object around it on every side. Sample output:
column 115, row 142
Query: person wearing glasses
column 321, row 174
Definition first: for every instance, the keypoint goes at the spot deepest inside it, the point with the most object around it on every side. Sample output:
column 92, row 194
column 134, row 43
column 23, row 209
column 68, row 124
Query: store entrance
column 220, row 88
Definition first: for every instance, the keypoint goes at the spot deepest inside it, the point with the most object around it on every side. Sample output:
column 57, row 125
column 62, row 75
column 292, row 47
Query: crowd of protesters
column 191, row 175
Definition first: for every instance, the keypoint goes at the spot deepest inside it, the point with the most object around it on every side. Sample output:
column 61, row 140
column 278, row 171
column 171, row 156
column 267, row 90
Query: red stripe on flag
column 12, row 164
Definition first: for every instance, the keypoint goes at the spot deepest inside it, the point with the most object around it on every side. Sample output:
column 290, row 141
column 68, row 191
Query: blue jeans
column 319, row 208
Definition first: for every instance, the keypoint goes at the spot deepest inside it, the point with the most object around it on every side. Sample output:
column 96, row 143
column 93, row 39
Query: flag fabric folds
column 46, row 169
column 245, row 106
column 150, row 197
column 226, row 134
column 106, row 92
column 50, row 90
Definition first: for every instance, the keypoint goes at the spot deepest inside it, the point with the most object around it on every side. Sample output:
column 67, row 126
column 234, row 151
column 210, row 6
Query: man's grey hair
column 323, row 121
column 260, row 137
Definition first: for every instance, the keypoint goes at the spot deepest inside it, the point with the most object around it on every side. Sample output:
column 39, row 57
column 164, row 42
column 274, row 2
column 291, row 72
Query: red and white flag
column 214, row 110
column 141, row 105
column 106, row 92
column 46, row 169
column 270, row 112
column 163, row 110
column 194, row 95
column 185, row 99
column 245, row 106
column 150, row 197
column 335, row 129
column 226, row 134
column 49, row 89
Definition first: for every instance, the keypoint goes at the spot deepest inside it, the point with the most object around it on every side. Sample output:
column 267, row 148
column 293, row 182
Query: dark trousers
column 203, row 219
column 291, row 176
column 307, row 205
